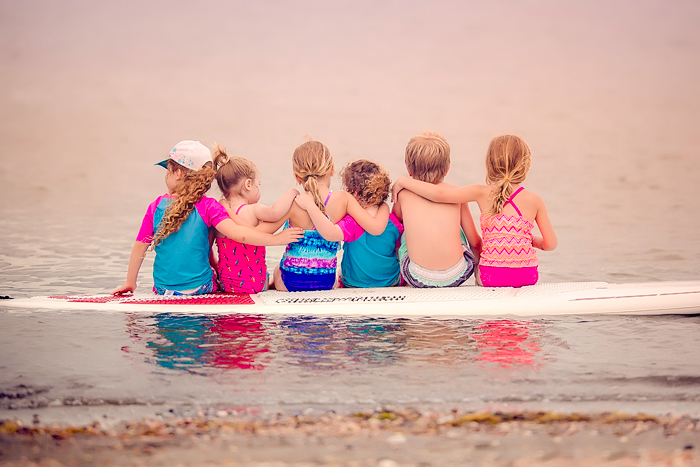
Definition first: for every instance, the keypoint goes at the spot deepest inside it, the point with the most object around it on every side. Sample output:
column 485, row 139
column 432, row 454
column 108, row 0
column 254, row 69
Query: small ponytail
column 231, row 170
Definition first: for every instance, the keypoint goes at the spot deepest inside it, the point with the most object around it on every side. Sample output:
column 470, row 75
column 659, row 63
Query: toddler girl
column 241, row 268
column 508, row 257
column 368, row 260
column 311, row 263
column 176, row 226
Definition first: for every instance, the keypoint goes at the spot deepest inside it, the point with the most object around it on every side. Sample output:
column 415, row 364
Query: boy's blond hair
column 428, row 157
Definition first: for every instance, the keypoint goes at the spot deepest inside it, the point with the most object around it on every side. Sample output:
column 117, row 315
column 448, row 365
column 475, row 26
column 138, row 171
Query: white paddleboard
column 546, row 299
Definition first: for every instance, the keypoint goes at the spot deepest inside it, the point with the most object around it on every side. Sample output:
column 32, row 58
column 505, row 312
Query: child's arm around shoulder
column 278, row 210
column 548, row 241
column 372, row 225
column 324, row 226
column 442, row 193
column 251, row 236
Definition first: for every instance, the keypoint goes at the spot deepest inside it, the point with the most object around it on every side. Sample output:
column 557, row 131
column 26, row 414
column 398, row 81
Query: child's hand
column 305, row 201
column 125, row 288
column 398, row 186
column 291, row 235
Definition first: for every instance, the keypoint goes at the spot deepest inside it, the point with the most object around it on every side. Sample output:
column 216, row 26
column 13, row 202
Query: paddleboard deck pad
column 545, row 299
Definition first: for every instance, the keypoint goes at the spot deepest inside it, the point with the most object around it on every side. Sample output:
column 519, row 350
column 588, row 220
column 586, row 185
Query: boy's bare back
column 432, row 230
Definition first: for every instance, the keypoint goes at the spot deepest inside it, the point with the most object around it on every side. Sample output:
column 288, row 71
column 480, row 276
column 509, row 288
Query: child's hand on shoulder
column 398, row 186
column 305, row 201
column 290, row 235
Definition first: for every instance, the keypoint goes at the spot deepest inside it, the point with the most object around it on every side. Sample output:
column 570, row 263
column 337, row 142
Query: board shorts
column 418, row 276
column 495, row 276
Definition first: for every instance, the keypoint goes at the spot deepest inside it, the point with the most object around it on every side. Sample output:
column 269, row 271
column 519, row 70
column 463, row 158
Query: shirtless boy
column 434, row 251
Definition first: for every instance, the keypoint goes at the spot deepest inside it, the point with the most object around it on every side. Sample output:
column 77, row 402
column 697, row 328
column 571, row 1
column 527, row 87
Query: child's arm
column 138, row 252
column 213, row 258
column 436, row 193
column 548, row 241
column 372, row 225
column 324, row 226
column 396, row 209
column 473, row 237
column 278, row 210
column 255, row 237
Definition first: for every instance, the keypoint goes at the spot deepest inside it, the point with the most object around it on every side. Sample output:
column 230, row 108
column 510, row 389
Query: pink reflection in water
column 507, row 343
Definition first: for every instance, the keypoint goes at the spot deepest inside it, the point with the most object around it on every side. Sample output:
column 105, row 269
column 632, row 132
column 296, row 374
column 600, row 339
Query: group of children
column 428, row 238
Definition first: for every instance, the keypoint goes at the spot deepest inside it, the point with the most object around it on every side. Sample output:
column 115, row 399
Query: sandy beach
column 385, row 438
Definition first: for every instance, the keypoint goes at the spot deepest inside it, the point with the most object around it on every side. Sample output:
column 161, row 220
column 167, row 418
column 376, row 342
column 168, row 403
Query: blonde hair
column 507, row 163
column 428, row 157
column 311, row 161
column 368, row 181
column 191, row 191
column 230, row 171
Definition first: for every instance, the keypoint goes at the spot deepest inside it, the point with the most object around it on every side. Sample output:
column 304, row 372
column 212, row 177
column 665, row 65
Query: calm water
column 93, row 93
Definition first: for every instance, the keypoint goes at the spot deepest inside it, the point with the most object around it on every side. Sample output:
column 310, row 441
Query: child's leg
column 277, row 280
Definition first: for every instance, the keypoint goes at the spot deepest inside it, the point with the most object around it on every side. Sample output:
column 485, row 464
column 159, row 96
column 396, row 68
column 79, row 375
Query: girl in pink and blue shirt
column 177, row 225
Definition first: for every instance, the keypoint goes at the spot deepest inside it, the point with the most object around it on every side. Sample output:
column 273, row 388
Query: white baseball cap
column 189, row 154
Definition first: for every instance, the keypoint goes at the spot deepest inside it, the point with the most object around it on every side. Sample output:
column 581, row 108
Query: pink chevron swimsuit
column 242, row 267
column 507, row 258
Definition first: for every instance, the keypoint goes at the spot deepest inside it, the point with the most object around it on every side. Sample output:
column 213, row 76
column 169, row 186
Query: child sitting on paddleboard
column 311, row 263
column 241, row 268
column 434, row 251
column 368, row 260
column 508, row 257
column 176, row 226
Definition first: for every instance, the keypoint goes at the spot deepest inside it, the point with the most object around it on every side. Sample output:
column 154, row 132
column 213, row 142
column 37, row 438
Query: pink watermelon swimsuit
column 508, row 258
column 242, row 267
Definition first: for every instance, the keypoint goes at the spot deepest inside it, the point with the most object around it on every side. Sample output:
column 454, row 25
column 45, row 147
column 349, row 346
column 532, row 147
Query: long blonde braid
column 311, row 161
column 507, row 164
column 189, row 192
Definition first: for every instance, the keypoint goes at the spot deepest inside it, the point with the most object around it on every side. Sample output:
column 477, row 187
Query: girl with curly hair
column 368, row 260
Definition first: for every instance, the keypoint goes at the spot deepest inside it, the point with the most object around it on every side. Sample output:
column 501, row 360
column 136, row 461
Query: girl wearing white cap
column 176, row 226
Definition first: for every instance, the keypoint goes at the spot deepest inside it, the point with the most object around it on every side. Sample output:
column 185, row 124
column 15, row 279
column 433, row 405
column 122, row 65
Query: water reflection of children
column 242, row 341
column 507, row 343
column 325, row 343
column 196, row 343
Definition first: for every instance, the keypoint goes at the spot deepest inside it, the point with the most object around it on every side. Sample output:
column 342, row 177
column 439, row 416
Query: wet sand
column 385, row 438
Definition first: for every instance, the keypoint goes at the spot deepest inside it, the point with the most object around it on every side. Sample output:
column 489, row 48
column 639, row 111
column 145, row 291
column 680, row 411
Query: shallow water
column 92, row 94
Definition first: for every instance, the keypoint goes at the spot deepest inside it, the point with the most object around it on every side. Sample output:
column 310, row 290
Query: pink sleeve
column 146, row 232
column 351, row 229
column 211, row 211
column 395, row 220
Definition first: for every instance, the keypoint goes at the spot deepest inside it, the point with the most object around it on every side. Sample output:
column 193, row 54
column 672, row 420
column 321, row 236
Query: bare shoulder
column 531, row 197
column 299, row 218
column 338, row 204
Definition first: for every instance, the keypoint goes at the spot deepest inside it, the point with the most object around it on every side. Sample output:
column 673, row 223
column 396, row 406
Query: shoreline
column 372, row 437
